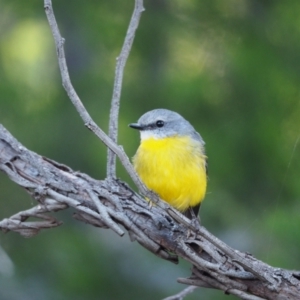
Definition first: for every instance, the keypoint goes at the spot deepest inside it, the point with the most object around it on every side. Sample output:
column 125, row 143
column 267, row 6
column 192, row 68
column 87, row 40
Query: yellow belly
column 174, row 168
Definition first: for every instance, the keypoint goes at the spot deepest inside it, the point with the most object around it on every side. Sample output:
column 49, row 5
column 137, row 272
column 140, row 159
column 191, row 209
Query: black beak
column 136, row 126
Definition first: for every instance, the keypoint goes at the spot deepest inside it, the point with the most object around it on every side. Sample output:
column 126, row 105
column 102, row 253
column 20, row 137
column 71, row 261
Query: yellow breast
column 173, row 167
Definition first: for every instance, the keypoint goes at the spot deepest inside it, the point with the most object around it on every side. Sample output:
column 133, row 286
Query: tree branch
column 28, row 229
column 112, row 204
column 115, row 103
column 85, row 116
column 190, row 289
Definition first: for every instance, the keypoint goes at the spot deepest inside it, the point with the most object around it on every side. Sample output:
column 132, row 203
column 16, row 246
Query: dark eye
column 160, row 123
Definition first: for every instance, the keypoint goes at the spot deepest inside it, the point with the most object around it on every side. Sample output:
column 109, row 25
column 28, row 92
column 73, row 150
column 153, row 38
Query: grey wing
column 196, row 136
column 189, row 214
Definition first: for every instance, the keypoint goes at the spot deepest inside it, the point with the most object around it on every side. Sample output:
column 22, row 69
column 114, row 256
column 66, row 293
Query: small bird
column 171, row 159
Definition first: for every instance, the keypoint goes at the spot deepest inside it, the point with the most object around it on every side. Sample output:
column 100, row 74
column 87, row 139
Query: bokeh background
column 230, row 67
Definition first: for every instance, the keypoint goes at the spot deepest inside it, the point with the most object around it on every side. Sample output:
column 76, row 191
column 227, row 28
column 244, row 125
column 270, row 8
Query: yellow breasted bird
column 171, row 159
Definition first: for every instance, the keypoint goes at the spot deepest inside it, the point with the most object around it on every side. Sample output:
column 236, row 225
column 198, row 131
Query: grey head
column 162, row 123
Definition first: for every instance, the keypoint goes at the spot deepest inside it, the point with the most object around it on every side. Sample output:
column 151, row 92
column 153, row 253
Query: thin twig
column 181, row 295
column 245, row 263
column 103, row 216
column 196, row 282
column 244, row 295
column 119, row 72
column 85, row 116
column 18, row 222
column 142, row 238
column 104, row 213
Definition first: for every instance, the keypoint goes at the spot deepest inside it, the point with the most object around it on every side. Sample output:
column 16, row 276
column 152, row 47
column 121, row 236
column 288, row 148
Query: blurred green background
column 230, row 67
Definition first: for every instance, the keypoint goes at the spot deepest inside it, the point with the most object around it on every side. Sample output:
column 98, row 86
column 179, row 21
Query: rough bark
column 111, row 203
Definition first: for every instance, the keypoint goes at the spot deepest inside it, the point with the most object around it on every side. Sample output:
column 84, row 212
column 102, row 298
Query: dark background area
column 230, row 67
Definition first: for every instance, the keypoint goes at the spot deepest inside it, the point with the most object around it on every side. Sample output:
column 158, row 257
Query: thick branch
column 111, row 204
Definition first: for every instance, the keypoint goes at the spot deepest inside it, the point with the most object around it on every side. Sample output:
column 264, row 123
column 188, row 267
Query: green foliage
column 230, row 67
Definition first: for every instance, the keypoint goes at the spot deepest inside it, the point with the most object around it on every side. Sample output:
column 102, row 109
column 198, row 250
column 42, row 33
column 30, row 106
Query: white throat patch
column 148, row 134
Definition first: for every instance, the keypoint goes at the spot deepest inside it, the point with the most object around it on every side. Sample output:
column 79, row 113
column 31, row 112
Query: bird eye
column 160, row 123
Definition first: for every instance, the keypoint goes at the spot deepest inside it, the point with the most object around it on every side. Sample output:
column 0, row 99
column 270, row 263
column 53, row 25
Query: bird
column 171, row 160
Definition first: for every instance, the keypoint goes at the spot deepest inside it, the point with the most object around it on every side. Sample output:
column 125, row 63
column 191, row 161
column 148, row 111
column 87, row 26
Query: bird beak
column 136, row 126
